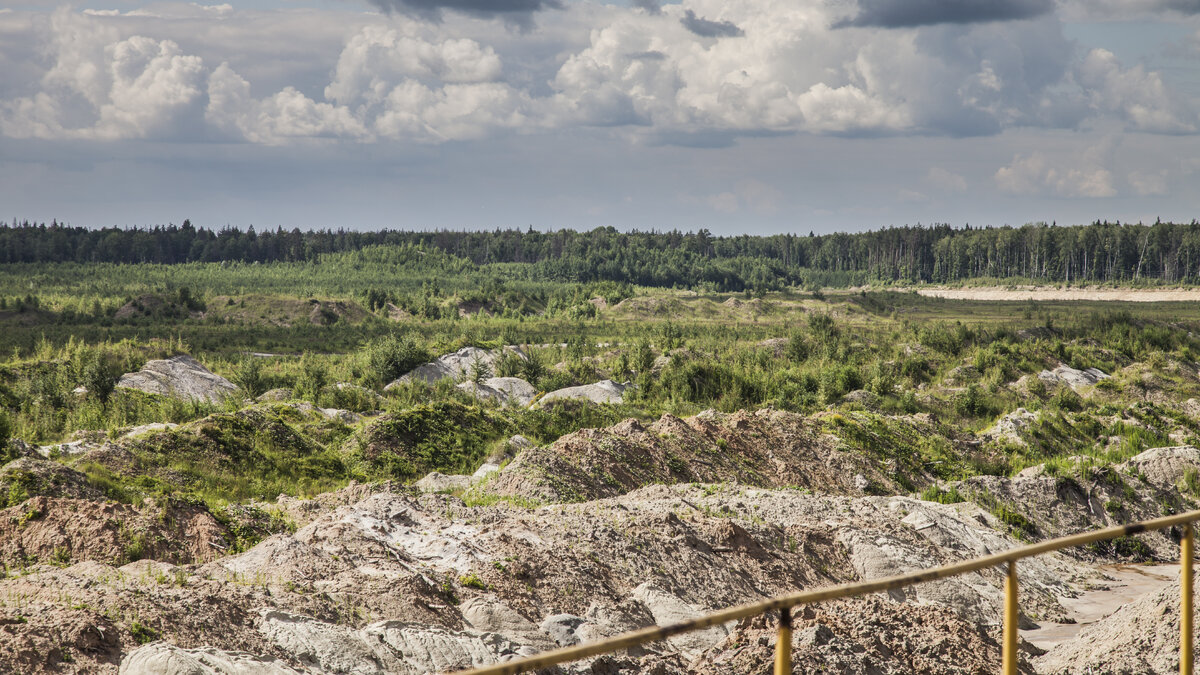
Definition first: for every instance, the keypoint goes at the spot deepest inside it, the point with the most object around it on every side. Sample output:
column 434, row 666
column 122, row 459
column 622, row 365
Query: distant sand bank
column 1101, row 294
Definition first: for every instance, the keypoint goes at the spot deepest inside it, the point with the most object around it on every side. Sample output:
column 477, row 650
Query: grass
column 908, row 351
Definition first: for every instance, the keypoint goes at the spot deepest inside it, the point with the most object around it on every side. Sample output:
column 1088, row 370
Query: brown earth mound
column 766, row 448
column 48, row 529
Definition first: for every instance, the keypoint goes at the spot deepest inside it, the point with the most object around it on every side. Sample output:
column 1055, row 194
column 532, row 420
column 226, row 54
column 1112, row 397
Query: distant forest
column 1099, row 252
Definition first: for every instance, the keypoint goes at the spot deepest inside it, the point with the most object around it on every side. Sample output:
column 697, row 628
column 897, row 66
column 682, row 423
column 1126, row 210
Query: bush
column 837, row 381
column 390, row 357
column 249, row 376
column 948, row 339
column 935, row 494
column 972, row 403
column 6, row 453
column 313, row 378
column 534, row 367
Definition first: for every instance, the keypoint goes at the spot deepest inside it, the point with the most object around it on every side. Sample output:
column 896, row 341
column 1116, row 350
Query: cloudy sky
column 736, row 115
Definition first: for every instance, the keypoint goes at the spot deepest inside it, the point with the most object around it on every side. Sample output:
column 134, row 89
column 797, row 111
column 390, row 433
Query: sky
column 739, row 116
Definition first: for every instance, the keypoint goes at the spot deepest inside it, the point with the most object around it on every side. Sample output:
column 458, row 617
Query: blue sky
column 739, row 116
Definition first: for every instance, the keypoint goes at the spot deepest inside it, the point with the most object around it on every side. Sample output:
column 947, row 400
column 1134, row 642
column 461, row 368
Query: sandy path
column 1129, row 583
column 1103, row 294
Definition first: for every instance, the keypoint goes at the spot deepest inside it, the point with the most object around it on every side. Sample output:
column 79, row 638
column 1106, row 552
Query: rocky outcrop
column 502, row 390
column 604, row 391
column 1163, row 468
column 667, row 609
column 180, row 377
column 1075, row 379
column 456, row 366
column 439, row 482
column 1011, row 428
column 161, row 658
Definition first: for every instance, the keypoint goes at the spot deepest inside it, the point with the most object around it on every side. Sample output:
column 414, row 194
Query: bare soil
column 1052, row 293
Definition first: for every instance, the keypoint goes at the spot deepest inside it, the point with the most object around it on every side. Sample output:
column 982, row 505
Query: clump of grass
column 950, row 495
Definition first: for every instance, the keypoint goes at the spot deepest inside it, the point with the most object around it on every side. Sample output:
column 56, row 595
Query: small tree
column 312, row 380
column 6, row 453
column 249, row 377
column 480, row 370
column 100, row 375
column 390, row 357
column 534, row 367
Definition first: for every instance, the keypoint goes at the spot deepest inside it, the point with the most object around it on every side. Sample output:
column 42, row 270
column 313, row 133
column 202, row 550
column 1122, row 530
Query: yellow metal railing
column 784, row 603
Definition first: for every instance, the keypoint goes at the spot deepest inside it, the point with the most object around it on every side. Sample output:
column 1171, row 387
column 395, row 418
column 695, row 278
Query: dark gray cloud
column 515, row 11
column 651, row 6
column 912, row 13
column 705, row 28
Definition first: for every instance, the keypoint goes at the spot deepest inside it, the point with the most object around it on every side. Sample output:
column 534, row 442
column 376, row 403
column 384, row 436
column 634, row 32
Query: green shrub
column 249, row 376
column 971, row 402
column 935, row 494
column 390, row 357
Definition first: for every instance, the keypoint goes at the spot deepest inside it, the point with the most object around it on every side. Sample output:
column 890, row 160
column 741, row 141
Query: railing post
column 1186, row 552
column 783, row 643
column 1009, row 647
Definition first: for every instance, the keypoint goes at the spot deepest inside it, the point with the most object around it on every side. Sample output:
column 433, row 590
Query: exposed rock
column 181, row 377
column 561, row 628
column 1011, row 427
column 485, row 470
column 667, row 608
column 775, row 345
column 1075, row 379
column 509, row 449
column 440, row 482
column 456, row 366
column 962, row 375
column 161, row 658
column 149, row 428
column 322, row 646
column 488, row 615
column 382, row 647
column 343, row 416
column 604, row 391
column 502, row 390
column 276, row 395
column 867, row 399
column 1163, row 468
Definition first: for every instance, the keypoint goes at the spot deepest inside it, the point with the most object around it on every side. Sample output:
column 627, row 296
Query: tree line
column 1097, row 252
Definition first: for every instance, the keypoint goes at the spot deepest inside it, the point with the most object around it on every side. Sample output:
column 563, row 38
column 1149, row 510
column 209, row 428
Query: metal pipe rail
column 785, row 603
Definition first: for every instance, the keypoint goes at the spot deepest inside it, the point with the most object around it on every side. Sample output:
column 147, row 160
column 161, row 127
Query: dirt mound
column 1141, row 637
column 60, row 530
column 28, row 477
column 767, row 448
column 869, row 635
column 415, row 583
column 1037, row 504
column 326, row 313
column 650, row 306
column 179, row 376
column 143, row 305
